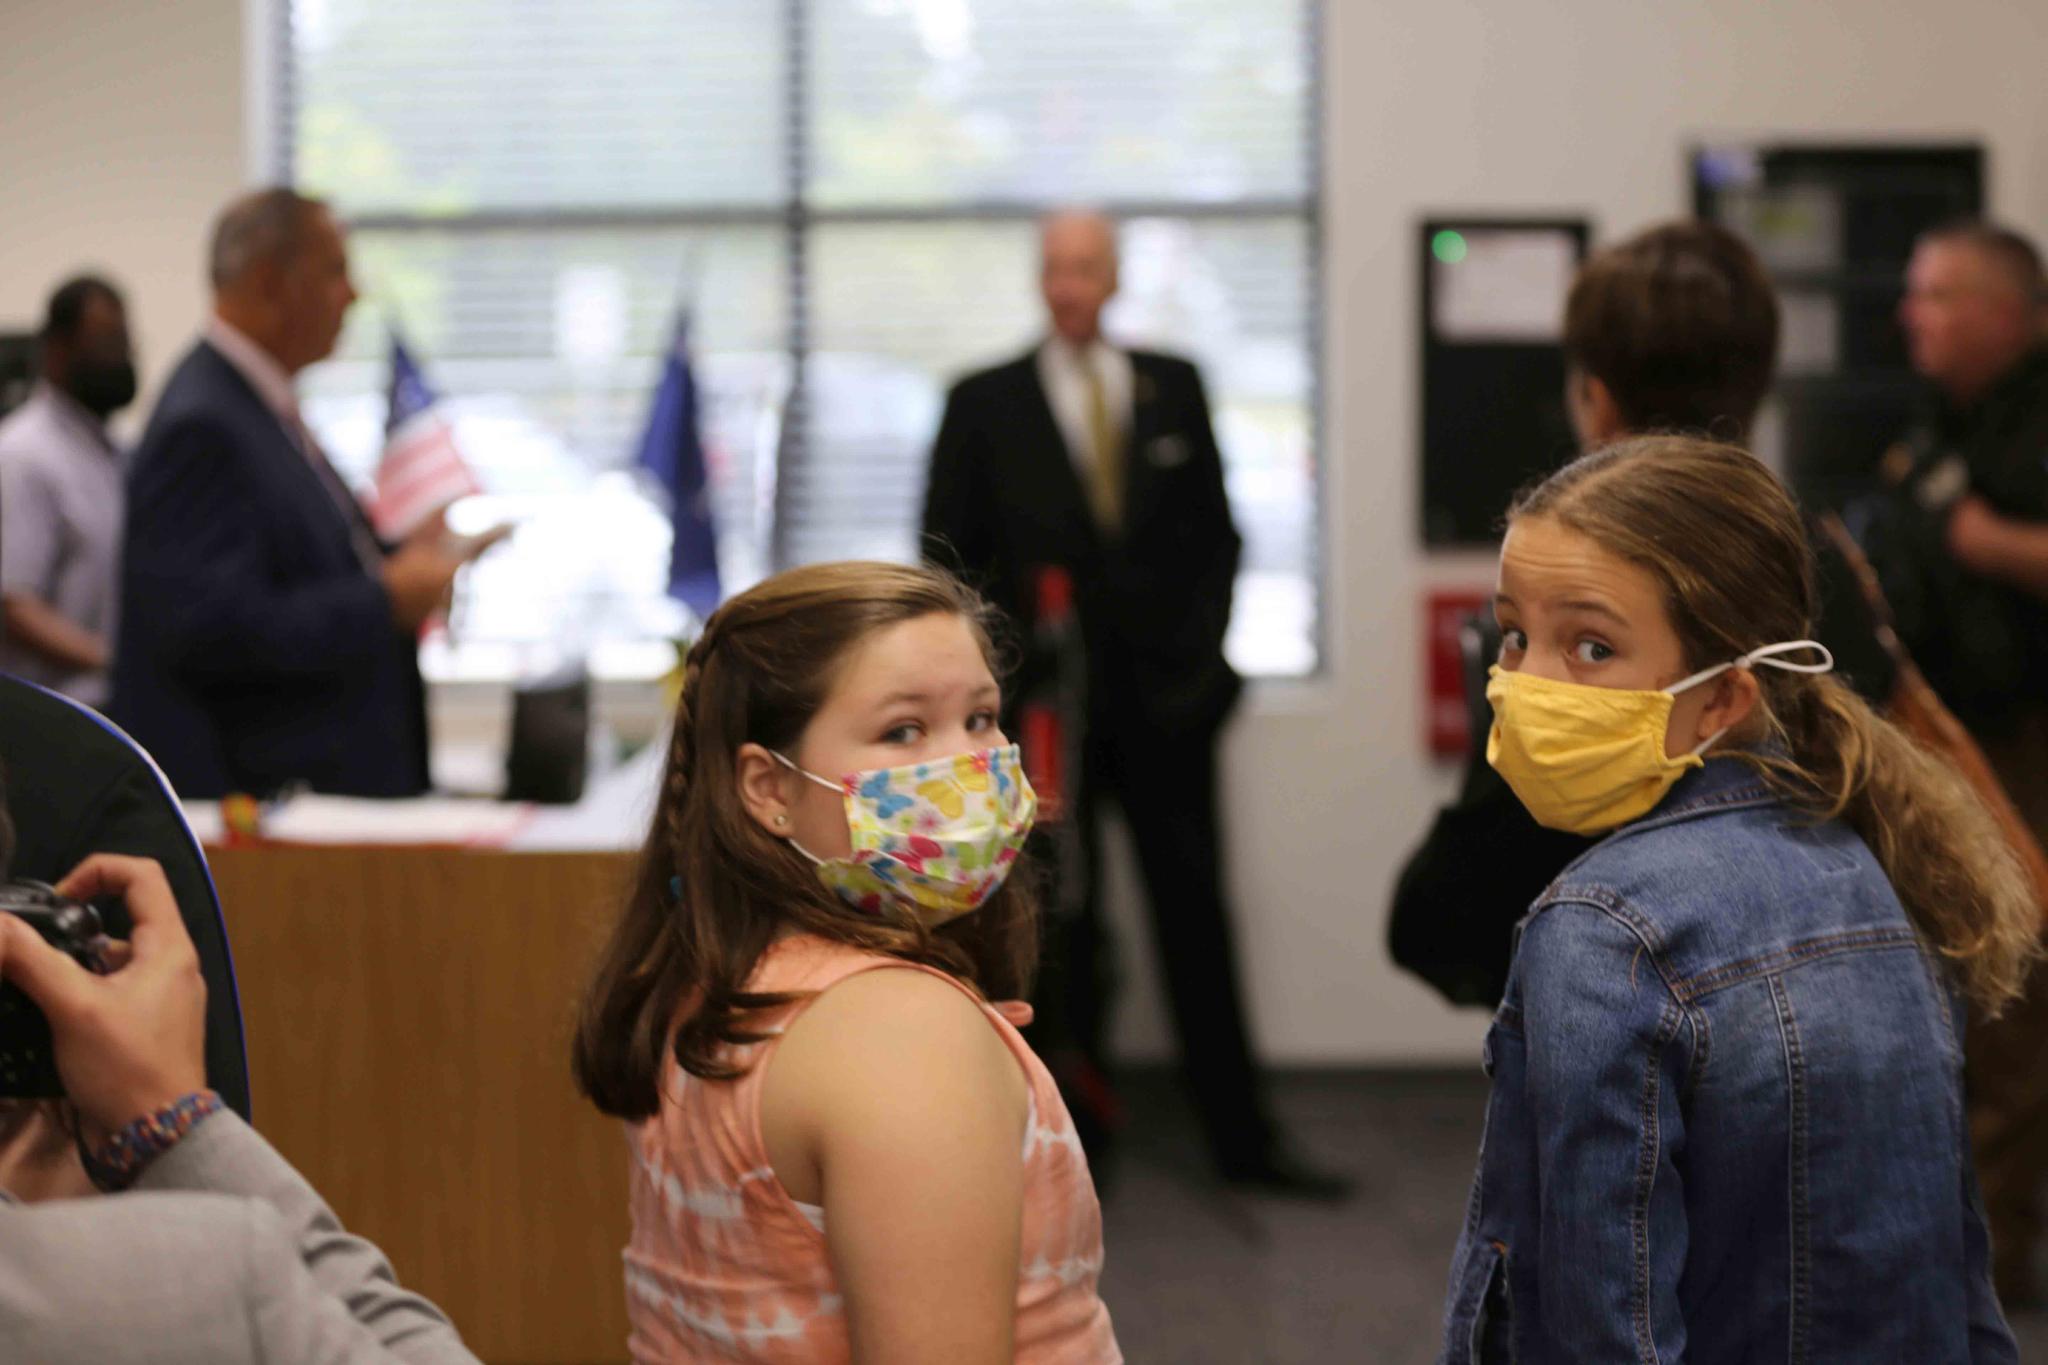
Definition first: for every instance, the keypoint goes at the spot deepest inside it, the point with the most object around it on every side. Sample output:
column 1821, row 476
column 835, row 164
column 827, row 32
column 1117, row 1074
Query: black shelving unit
column 1835, row 225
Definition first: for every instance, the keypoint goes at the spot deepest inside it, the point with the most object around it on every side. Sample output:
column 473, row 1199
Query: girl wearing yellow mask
column 1726, row 1118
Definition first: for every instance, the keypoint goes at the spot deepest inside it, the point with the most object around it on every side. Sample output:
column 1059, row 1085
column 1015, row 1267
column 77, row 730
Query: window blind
column 842, row 195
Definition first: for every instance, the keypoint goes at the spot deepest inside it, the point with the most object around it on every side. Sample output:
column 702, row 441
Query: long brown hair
column 1729, row 547
column 672, row 980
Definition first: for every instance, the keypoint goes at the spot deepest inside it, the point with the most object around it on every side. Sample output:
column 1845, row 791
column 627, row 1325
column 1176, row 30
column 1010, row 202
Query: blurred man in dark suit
column 268, row 637
column 1100, row 461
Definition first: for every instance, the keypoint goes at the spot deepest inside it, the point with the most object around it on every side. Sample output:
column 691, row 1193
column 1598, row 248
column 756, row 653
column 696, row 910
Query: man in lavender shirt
column 61, row 497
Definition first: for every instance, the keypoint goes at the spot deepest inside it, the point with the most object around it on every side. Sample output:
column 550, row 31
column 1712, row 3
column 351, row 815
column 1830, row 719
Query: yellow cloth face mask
column 1586, row 759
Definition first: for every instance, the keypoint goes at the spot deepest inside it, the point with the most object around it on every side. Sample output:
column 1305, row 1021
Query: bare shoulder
column 896, row 1027
column 889, row 1066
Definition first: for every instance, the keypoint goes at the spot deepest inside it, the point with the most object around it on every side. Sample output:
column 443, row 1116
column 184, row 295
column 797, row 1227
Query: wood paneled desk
column 408, row 1012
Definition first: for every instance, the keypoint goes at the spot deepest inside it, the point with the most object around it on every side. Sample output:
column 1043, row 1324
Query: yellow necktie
column 1106, row 488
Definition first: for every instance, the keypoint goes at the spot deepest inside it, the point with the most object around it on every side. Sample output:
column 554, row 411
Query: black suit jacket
column 1005, row 500
column 256, row 649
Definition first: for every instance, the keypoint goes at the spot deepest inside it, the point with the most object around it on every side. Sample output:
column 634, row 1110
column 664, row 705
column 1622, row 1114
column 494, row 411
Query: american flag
column 421, row 471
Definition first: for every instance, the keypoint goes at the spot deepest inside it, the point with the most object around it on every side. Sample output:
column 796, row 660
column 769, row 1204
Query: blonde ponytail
column 1943, row 850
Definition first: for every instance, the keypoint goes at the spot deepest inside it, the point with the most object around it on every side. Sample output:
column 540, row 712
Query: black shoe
column 1281, row 1174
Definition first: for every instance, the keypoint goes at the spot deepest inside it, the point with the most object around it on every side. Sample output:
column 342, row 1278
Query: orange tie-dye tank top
column 724, row 1266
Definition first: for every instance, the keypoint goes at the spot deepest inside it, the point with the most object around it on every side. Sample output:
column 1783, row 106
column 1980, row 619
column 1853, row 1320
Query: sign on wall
column 1493, row 292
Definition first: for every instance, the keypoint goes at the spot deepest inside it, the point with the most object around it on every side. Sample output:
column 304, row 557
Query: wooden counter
column 408, row 1013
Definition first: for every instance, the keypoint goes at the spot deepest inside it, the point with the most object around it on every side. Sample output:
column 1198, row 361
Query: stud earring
column 781, row 820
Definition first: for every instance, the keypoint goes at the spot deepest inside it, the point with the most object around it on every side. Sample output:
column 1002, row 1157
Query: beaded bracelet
column 114, row 1164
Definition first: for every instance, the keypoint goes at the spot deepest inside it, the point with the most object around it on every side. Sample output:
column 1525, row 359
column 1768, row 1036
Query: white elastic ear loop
column 1767, row 655
column 790, row 839
column 806, row 772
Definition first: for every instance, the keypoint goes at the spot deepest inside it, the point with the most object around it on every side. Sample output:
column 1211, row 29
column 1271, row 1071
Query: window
column 842, row 194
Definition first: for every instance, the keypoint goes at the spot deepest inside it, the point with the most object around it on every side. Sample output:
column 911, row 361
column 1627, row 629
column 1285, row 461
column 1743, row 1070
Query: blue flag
column 672, row 451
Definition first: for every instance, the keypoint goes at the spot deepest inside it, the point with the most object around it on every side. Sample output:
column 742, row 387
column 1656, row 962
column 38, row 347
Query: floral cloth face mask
column 940, row 836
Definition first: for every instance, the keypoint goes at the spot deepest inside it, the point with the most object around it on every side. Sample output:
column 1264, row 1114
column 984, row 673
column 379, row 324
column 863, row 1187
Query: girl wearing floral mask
column 841, row 1151
column 1726, row 1118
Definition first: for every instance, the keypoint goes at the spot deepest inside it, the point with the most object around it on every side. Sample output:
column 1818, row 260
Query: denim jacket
column 1726, row 1122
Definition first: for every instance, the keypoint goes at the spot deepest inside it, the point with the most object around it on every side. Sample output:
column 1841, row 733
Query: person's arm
column 2006, row 548
column 195, row 537
column 956, row 531
column 1188, row 686
column 1215, row 580
column 37, row 625
column 129, row 1044
column 419, row 571
column 31, row 548
column 332, row 1295
column 1605, row 1072
column 905, row 1103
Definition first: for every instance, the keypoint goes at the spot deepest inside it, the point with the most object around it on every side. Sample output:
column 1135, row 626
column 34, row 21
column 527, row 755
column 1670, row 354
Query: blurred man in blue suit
column 269, row 638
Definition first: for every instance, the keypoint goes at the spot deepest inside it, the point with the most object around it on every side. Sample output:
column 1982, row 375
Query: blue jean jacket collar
column 1725, row 782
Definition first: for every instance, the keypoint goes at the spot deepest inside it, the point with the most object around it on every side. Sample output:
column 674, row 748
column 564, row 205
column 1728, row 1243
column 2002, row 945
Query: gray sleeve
column 336, row 1298
column 30, row 527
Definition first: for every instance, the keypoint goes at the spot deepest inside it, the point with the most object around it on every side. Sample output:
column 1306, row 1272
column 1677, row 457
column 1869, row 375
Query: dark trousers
column 2007, row 1059
column 1166, row 788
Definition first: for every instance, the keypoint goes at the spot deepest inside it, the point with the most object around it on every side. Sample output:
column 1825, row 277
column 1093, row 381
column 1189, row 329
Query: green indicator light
column 1448, row 246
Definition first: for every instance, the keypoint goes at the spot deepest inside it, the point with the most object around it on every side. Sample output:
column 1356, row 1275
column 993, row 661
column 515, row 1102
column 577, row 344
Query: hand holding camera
column 130, row 1041
column 28, row 1069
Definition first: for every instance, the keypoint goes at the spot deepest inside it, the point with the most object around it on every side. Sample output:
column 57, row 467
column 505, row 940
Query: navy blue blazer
column 256, row 650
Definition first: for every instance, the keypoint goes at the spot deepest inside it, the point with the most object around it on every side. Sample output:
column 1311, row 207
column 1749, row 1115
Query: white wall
column 120, row 136
column 1519, row 106
column 123, row 131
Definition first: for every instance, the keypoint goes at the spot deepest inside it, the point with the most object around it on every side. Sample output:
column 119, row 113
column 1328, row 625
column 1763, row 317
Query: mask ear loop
column 1770, row 656
column 790, row 839
column 806, row 773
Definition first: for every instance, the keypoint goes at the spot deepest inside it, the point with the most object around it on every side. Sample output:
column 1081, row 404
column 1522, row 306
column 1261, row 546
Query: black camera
column 28, row 1066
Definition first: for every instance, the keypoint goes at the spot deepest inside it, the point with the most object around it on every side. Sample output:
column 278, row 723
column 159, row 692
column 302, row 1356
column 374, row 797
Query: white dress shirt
column 273, row 384
column 1063, row 371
